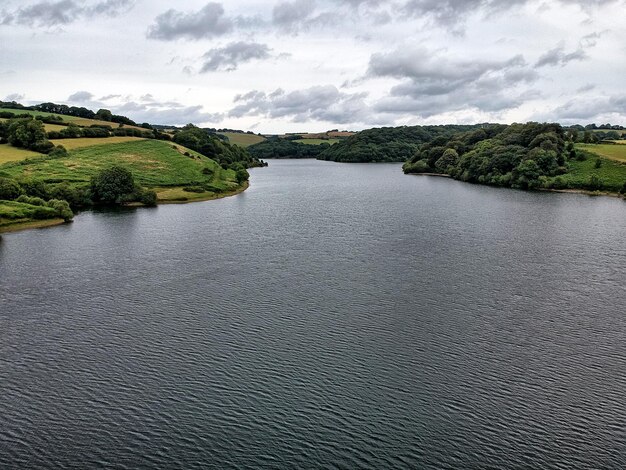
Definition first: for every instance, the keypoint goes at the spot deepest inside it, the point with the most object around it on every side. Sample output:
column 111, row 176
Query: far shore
column 586, row 192
column 193, row 197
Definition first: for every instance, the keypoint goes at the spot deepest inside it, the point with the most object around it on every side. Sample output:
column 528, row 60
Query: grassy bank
column 176, row 174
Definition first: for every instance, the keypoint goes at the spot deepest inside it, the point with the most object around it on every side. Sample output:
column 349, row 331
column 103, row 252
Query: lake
column 332, row 316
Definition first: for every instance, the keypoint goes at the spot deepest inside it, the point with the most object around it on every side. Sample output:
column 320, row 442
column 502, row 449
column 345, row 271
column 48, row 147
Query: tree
column 104, row 115
column 449, row 158
column 9, row 189
column 26, row 133
column 112, row 185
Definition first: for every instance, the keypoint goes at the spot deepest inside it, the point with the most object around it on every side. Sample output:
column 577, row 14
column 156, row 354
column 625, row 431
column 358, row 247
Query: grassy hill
column 174, row 172
column 83, row 122
column 241, row 139
column 615, row 151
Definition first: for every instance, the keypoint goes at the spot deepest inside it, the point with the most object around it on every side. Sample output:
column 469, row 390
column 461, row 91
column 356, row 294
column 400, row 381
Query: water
column 334, row 316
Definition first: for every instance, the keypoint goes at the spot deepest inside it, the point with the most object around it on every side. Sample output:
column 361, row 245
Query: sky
column 315, row 65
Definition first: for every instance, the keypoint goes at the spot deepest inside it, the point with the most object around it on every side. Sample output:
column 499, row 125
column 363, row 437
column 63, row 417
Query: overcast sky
column 314, row 65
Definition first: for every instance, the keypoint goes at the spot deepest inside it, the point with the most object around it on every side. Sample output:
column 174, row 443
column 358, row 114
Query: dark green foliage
column 35, row 188
column 62, row 209
column 242, row 175
column 598, row 163
column 520, row 155
column 147, row 197
column 276, row 147
column 623, row 190
column 112, row 185
column 34, row 201
column 77, row 196
column 9, row 189
column 210, row 146
column 26, row 133
column 392, row 144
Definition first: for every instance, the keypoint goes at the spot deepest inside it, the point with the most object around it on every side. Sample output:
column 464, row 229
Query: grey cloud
column 452, row 13
column 80, row 97
column 210, row 21
column 586, row 88
column 228, row 58
column 289, row 15
column 14, row 97
column 319, row 103
column 604, row 109
column 558, row 56
column 63, row 12
column 110, row 97
column 169, row 113
column 432, row 85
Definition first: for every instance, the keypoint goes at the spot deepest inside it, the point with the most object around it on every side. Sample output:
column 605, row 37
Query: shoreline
column 211, row 197
column 46, row 223
column 31, row 224
column 586, row 192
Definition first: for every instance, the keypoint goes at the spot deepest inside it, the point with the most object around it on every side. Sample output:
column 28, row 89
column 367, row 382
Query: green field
column 72, row 144
column 153, row 163
column 8, row 153
column 612, row 174
column 614, row 152
column 317, row 141
column 69, row 119
column 243, row 140
column 12, row 212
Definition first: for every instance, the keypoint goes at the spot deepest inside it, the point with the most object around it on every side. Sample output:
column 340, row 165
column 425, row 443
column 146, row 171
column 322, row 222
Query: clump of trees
column 276, row 147
column 525, row 156
column 116, row 185
column 516, row 155
column 388, row 144
column 207, row 144
column 25, row 133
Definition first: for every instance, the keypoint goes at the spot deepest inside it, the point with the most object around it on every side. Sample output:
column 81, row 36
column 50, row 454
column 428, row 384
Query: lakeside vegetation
column 525, row 156
column 46, row 174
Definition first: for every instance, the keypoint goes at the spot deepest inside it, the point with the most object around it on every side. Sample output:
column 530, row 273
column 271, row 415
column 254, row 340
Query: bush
column 76, row 196
column 58, row 151
column 194, row 189
column 9, row 189
column 145, row 196
column 42, row 146
column 112, row 185
column 35, row 188
column 33, row 201
column 207, row 171
column 62, row 209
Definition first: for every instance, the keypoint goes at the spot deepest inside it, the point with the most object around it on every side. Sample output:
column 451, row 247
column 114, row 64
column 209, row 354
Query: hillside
column 387, row 144
column 172, row 172
column 242, row 139
column 526, row 156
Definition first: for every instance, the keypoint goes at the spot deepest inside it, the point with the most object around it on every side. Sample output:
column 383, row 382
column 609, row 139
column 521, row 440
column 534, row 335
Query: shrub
column 35, row 188
column 33, row 201
column 194, row 189
column 62, row 209
column 9, row 189
column 112, row 185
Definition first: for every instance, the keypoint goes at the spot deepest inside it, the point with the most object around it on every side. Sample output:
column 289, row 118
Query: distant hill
column 388, row 144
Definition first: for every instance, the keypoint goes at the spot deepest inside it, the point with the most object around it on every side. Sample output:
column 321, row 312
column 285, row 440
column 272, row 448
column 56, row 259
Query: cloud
column 14, row 97
column 167, row 113
column 80, row 97
column 63, row 12
column 432, row 84
column 229, row 58
column 318, row 103
column 599, row 108
column 209, row 22
column 558, row 56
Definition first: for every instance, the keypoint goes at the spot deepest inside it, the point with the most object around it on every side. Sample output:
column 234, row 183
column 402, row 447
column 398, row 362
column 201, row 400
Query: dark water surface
column 334, row 316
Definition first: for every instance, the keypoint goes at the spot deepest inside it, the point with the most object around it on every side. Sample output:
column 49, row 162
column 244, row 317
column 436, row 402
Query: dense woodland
column 387, row 144
column 526, row 156
column 276, row 147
